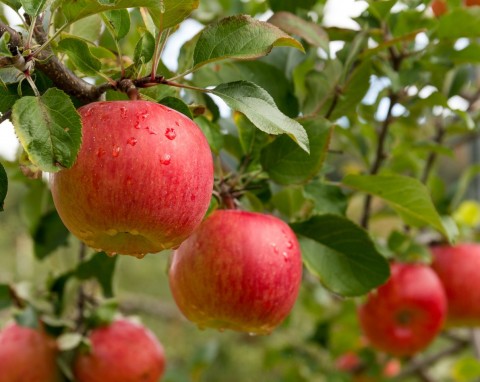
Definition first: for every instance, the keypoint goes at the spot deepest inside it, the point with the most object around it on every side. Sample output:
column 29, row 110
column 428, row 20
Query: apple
column 405, row 314
column 457, row 267
column 27, row 354
column 439, row 7
column 122, row 351
column 471, row 3
column 142, row 181
column 239, row 270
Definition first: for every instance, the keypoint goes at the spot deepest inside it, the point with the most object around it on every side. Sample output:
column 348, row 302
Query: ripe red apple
column 27, row 354
column 121, row 352
column 439, row 7
column 239, row 270
column 142, row 181
column 471, row 3
column 405, row 314
column 457, row 267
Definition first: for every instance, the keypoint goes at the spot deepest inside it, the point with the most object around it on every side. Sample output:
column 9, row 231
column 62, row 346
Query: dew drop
column 176, row 123
column 116, row 151
column 170, row 133
column 112, row 232
column 252, row 334
column 137, row 125
column 274, row 246
column 165, row 159
column 144, row 115
column 101, row 152
column 89, row 112
column 289, row 244
column 111, row 254
column 150, row 130
column 285, row 256
column 123, row 112
column 132, row 141
column 139, row 255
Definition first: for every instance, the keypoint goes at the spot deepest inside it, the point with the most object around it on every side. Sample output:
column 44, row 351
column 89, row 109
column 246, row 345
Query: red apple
column 27, row 354
column 457, row 267
column 121, row 352
column 142, row 181
column 239, row 270
column 439, row 7
column 470, row 3
column 405, row 314
column 349, row 362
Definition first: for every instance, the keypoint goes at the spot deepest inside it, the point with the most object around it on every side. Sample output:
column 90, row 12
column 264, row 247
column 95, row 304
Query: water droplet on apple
column 176, row 123
column 274, row 246
column 252, row 334
column 285, row 256
column 137, row 125
column 111, row 254
column 139, row 255
column 89, row 112
column 116, row 151
column 123, row 112
column 112, row 232
column 132, row 141
column 170, row 133
column 101, row 152
column 165, row 159
column 289, row 244
column 150, row 130
column 144, row 115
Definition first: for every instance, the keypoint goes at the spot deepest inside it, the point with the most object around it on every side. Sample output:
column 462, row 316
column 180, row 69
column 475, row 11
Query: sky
column 337, row 13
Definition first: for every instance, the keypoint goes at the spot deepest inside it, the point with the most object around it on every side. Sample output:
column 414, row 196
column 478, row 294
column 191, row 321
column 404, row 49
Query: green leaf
column 3, row 186
column 33, row 7
column 309, row 31
column 461, row 22
column 407, row 196
column 178, row 105
column 103, row 315
column 462, row 186
column 466, row 369
column 4, row 40
column 212, row 133
column 8, row 97
column 5, row 296
column 101, row 267
column 69, row 341
column 259, row 107
column 14, row 4
column 78, row 52
column 328, row 199
column 239, row 37
column 286, row 163
column 49, row 129
column 57, row 288
column 341, row 254
column 87, row 29
column 28, row 317
column 165, row 13
column 144, row 49
column 49, row 235
column 291, row 5
column 118, row 22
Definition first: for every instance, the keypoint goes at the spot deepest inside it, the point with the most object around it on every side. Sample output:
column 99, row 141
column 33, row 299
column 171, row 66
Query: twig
column 379, row 156
column 5, row 116
column 418, row 363
column 432, row 157
column 81, row 298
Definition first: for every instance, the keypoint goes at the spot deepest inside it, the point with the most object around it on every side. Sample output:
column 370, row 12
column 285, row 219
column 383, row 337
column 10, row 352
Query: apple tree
column 287, row 177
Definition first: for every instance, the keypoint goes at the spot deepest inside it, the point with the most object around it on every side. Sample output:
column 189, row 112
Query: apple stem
column 17, row 300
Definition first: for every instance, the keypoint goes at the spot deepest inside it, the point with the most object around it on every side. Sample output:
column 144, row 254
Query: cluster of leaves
column 344, row 145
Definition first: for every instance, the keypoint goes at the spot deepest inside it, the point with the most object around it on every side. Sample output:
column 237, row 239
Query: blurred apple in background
column 122, row 351
column 27, row 355
column 406, row 313
column 239, row 270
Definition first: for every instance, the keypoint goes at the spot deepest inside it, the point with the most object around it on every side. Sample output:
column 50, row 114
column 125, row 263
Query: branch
column 134, row 304
column 421, row 363
column 432, row 157
column 379, row 156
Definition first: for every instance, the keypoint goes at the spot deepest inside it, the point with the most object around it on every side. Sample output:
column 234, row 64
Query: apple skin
column 405, row 314
column 142, row 181
column 239, row 270
column 27, row 354
column 123, row 351
column 439, row 7
column 471, row 3
column 457, row 267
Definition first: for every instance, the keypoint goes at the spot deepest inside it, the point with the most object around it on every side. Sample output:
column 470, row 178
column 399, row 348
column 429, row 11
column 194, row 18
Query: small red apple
column 439, row 7
column 349, row 362
column 239, row 270
column 27, row 355
column 457, row 267
column 142, row 181
column 471, row 3
column 405, row 314
column 121, row 352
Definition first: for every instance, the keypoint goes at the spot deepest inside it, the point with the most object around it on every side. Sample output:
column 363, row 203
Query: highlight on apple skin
column 123, row 351
column 457, row 267
column 239, row 270
column 142, row 181
column 406, row 313
column 27, row 354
